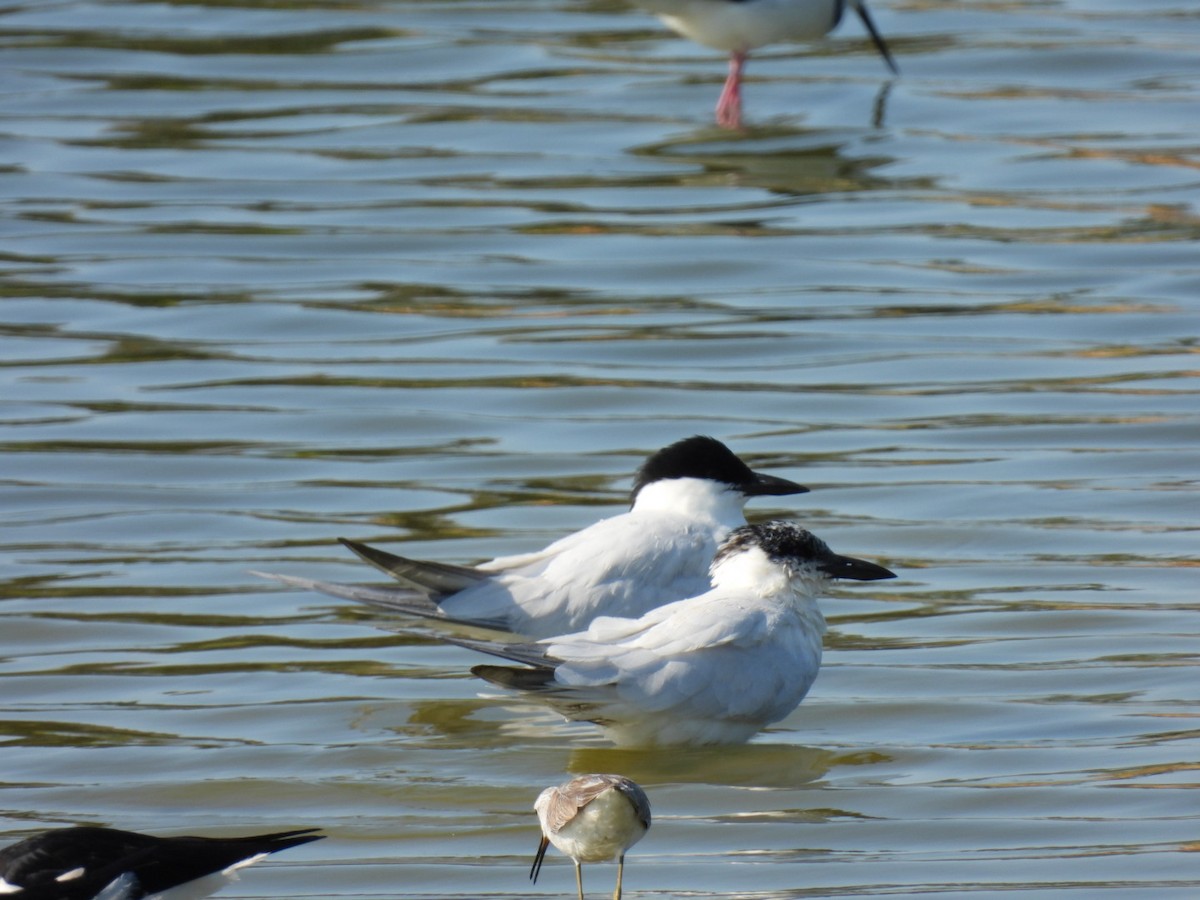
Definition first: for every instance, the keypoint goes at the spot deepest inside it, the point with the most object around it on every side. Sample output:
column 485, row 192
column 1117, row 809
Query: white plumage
column 687, row 497
column 711, row 669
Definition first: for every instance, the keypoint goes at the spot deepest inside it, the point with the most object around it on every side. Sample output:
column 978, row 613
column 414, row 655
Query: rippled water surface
column 438, row 275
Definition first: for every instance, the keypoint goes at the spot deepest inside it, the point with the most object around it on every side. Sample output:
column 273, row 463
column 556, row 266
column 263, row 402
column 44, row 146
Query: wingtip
column 299, row 836
column 514, row 678
column 381, row 559
column 289, row 580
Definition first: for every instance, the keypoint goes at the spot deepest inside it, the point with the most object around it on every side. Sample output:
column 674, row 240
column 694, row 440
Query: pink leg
column 729, row 106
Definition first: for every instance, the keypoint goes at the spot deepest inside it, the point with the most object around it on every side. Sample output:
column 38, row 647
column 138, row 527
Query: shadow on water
column 762, row 765
column 501, row 722
column 788, row 162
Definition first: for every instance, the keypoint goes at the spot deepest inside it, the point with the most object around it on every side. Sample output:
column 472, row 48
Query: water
column 438, row 275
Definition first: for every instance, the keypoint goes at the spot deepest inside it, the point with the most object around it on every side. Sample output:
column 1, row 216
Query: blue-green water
column 439, row 275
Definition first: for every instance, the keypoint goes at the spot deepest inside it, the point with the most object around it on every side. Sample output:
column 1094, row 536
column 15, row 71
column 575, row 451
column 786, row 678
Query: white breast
column 740, row 26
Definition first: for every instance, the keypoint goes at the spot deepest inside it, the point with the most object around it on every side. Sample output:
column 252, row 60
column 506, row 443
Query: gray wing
column 558, row 806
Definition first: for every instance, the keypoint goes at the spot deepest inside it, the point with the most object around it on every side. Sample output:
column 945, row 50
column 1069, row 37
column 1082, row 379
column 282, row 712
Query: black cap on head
column 701, row 456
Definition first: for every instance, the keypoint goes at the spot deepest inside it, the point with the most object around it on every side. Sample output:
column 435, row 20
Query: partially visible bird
column 712, row 669
column 686, row 498
column 94, row 863
column 739, row 26
column 592, row 818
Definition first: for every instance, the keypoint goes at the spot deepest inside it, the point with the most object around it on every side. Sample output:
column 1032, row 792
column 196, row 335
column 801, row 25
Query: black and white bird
column 739, row 26
column 712, row 669
column 94, row 863
column 592, row 818
column 686, row 498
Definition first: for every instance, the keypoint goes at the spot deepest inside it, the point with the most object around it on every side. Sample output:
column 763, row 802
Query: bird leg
column 620, row 873
column 729, row 105
column 579, row 879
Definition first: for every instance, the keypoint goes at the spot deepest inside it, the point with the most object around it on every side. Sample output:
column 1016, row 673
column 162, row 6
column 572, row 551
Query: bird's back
column 621, row 566
column 714, row 669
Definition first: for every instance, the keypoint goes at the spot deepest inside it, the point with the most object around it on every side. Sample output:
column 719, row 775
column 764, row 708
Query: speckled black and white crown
column 790, row 545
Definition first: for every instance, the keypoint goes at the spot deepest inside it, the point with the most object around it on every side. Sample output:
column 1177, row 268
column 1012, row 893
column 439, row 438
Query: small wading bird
column 92, row 863
column 686, row 498
column 592, row 818
column 712, row 669
column 739, row 26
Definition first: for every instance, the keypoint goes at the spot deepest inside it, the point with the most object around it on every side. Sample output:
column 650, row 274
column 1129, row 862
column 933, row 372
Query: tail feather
column 529, row 654
column 434, row 578
column 269, row 843
column 395, row 600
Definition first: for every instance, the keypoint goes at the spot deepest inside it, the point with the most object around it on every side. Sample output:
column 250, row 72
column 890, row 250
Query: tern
column 739, row 26
column 712, row 669
column 686, row 498
column 94, row 863
column 592, row 818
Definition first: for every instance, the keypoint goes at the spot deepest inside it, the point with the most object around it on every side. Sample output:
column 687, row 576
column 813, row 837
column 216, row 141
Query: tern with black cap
column 686, row 498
